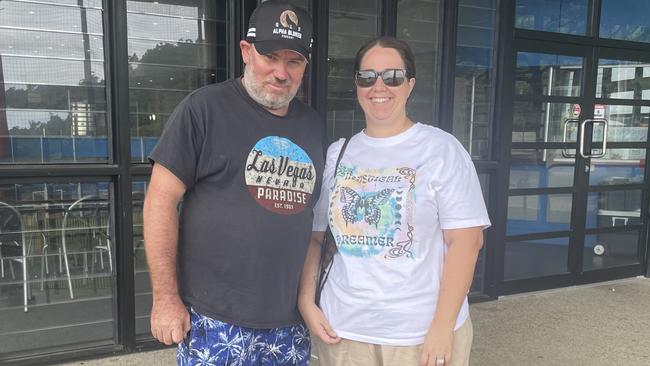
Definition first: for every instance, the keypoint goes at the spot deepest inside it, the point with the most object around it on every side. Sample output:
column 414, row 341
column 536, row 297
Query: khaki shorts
column 353, row 353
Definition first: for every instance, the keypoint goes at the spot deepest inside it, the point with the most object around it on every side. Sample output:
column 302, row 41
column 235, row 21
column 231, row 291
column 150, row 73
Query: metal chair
column 13, row 243
column 88, row 210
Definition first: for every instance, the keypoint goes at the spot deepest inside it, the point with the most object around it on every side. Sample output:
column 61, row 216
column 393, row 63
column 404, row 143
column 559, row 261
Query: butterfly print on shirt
column 369, row 205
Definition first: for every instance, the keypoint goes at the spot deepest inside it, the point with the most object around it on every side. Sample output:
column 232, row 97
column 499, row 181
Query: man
column 245, row 158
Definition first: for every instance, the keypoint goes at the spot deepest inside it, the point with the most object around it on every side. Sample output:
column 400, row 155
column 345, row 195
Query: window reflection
column 46, row 44
column 540, row 168
column 50, row 16
column 543, row 122
column 351, row 24
column 174, row 49
column 623, row 79
column 52, row 87
column 58, row 272
column 473, row 80
column 547, row 74
column 142, row 281
column 418, row 23
column 625, row 123
column 538, row 213
column 560, row 16
column 618, row 166
column 625, row 19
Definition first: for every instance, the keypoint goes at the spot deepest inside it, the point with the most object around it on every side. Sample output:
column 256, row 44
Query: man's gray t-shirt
column 252, row 180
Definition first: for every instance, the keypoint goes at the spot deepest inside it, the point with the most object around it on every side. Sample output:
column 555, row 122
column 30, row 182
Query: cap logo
column 289, row 19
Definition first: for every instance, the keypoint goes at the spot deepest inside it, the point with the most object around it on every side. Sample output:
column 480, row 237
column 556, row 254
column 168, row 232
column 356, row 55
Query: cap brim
column 265, row 47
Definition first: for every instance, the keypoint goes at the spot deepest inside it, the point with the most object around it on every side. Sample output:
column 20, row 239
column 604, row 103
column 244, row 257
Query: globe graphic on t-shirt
column 280, row 175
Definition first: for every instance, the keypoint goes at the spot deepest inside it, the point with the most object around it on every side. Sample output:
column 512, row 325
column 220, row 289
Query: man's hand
column 170, row 320
column 437, row 347
column 317, row 324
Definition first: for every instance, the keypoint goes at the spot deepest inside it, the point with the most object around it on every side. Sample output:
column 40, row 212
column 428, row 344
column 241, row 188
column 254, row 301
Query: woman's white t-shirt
column 387, row 207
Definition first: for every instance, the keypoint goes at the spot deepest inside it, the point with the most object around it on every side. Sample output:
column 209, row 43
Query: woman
column 406, row 210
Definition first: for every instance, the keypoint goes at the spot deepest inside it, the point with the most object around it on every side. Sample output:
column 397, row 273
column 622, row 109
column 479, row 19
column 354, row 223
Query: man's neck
column 280, row 112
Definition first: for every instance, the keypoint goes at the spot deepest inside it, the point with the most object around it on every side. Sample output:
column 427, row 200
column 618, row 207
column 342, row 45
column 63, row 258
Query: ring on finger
column 440, row 360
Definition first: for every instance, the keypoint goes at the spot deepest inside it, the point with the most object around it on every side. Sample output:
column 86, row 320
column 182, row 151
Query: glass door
column 614, row 223
column 577, row 165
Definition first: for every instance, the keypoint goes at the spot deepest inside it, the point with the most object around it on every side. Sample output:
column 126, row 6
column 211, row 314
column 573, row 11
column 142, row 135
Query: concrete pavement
column 606, row 324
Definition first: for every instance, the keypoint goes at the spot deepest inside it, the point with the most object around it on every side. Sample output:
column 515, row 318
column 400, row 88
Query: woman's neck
column 380, row 130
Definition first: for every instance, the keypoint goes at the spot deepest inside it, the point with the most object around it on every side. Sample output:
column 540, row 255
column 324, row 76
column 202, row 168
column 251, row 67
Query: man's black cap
column 277, row 25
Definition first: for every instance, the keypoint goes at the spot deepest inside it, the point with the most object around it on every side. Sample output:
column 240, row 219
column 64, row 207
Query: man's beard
column 255, row 89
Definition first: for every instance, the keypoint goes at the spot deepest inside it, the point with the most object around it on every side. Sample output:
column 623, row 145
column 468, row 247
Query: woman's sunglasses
column 368, row 78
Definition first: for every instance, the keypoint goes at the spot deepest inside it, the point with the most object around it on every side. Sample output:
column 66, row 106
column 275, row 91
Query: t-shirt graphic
column 280, row 175
column 371, row 212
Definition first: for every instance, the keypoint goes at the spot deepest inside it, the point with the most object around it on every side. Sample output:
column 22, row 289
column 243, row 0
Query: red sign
column 599, row 111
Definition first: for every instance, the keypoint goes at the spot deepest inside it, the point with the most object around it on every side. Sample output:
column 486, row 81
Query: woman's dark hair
column 398, row 45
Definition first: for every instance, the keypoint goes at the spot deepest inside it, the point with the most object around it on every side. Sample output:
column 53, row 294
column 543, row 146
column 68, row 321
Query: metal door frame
column 511, row 41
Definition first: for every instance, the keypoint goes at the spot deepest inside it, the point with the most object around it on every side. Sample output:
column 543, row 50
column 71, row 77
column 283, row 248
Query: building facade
column 551, row 98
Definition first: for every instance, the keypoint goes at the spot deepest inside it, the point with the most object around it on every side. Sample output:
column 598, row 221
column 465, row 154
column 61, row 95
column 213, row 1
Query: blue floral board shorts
column 211, row 342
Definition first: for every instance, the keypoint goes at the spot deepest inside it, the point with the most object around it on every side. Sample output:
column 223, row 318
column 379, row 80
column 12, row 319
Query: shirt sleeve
column 322, row 206
column 179, row 146
column 458, row 191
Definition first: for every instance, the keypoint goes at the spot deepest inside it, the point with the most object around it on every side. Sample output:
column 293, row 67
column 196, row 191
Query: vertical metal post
column 504, row 92
column 319, row 65
column 118, row 81
column 448, row 65
column 388, row 23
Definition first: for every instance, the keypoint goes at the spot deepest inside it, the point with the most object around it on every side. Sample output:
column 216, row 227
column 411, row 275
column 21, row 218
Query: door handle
column 594, row 122
column 565, row 153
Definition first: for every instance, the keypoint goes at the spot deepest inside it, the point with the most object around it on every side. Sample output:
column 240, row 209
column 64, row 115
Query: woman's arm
column 464, row 246
column 313, row 316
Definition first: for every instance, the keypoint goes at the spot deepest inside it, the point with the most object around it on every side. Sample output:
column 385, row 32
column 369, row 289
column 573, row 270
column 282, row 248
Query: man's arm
column 170, row 321
column 312, row 315
column 458, row 272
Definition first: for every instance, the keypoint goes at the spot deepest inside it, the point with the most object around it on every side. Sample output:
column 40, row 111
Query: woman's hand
column 317, row 324
column 436, row 350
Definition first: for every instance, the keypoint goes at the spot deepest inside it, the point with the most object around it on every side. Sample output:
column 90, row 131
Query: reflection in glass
column 614, row 208
column 559, row 16
column 52, row 94
column 540, row 168
column 543, row 122
column 523, row 208
column 618, row 166
column 351, row 24
column 625, row 19
column 625, row 123
column 418, row 23
column 546, row 74
column 474, row 75
column 48, row 16
column 622, row 79
column 536, row 258
column 174, row 49
column 611, row 249
column 60, row 236
column 142, row 281
column 45, row 43
column 538, row 213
